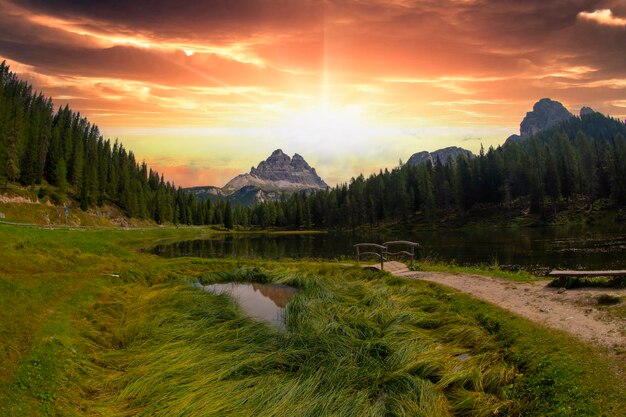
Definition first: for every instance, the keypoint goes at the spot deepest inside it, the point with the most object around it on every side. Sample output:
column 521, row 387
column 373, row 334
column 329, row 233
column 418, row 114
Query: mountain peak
column 278, row 154
column 278, row 160
column 279, row 172
column 545, row 114
column 445, row 156
column 278, row 157
column 298, row 162
column 586, row 110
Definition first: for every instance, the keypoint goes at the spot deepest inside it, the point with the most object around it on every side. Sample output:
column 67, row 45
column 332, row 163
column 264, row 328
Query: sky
column 203, row 90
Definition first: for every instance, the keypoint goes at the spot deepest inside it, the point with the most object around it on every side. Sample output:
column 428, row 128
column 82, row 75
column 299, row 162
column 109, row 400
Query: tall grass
column 353, row 347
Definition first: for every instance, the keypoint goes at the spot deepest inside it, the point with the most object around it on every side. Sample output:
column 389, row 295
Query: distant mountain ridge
column 444, row 155
column 274, row 176
column 545, row 115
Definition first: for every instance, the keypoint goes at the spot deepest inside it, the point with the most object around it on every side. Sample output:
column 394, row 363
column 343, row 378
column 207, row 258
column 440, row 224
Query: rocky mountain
column 584, row 111
column 206, row 192
column 250, row 195
column 279, row 172
column 545, row 114
column 445, row 155
column 276, row 175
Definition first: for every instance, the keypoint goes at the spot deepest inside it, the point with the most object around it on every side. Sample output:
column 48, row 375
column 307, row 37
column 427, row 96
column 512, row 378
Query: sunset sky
column 202, row 90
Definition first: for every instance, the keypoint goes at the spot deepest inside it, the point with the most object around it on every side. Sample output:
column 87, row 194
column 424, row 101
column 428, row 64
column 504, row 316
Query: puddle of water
column 262, row 301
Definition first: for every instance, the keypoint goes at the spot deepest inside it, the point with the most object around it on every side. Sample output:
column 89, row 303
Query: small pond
column 266, row 302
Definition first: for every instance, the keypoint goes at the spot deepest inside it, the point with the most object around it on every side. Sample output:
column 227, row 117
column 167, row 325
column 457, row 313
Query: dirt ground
column 575, row 311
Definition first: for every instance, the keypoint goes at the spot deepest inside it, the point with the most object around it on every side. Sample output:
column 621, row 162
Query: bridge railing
column 401, row 247
column 373, row 249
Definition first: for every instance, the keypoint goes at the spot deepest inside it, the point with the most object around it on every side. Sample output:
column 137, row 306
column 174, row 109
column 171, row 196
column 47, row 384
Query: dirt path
column 573, row 311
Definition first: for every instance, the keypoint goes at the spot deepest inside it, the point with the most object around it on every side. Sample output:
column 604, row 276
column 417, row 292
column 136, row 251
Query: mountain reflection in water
column 263, row 301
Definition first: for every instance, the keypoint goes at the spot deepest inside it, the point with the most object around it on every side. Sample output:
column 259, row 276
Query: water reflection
column 549, row 247
column 262, row 301
column 265, row 246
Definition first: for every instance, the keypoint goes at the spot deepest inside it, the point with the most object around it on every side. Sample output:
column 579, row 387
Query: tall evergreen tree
column 228, row 216
column 552, row 180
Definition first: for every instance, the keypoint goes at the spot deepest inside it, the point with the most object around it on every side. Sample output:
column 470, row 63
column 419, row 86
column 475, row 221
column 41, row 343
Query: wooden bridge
column 394, row 268
column 383, row 254
column 561, row 277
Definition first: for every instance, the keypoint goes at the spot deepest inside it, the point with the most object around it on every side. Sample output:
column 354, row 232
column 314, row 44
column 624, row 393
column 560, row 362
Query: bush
column 607, row 300
column 57, row 198
column 41, row 195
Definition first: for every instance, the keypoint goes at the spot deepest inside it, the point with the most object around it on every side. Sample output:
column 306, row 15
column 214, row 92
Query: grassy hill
column 39, row 205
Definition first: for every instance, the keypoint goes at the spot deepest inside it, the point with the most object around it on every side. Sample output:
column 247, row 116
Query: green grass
column 618, row 310
column 607, row 300
column 76, row 341
column 44, row 214
column 487, row 270
column 48, row 214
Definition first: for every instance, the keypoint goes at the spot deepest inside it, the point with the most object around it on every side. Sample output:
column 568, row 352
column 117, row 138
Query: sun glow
column 327, row 129
column 329, row 122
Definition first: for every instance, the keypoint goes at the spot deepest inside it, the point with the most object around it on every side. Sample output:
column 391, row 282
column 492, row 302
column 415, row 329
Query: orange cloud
column 221, row 84
column 603, row 17
column 187, row 176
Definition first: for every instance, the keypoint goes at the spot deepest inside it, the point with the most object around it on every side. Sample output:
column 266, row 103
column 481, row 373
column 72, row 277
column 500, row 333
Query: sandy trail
column 573, row 311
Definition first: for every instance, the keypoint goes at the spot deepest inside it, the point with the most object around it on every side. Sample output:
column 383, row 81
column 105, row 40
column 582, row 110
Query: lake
column 529, row 248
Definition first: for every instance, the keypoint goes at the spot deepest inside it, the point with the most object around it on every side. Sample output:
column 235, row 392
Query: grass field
column 91, row 326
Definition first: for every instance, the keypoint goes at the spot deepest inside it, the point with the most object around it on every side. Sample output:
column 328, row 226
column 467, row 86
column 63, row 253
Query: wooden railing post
column 411, row 245
column 379, row 251
column 383, row 250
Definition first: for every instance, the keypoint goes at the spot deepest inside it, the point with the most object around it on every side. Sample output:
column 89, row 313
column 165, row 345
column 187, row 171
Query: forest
column 578, row 160
column 63, row 153
column 39, row 145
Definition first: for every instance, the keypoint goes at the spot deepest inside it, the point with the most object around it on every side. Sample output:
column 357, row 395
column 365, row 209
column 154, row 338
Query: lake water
column 528, row 248
column 262, row 301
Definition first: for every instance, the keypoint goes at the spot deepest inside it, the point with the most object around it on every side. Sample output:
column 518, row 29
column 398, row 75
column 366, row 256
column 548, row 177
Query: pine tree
column 616, row 160
column 463, row 184
column 228, row 216
column 588, row 163
column 428, row 204
column 76, row 173
column 568, row 165
column 552, row 180
column 60, row 175
column 536, row 192
column 12, row 168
